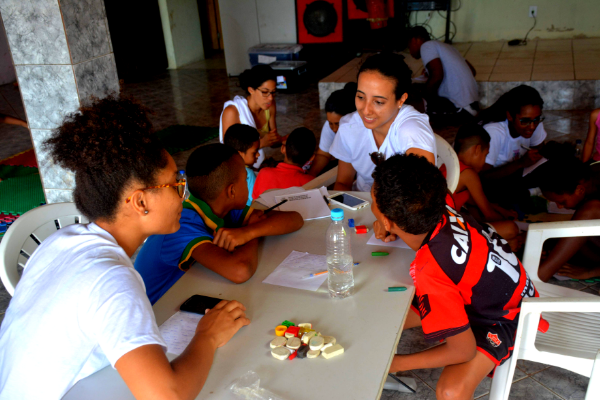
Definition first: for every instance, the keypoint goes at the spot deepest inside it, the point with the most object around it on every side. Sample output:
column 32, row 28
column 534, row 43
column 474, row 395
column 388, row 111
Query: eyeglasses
column 180, row 187
column 528, row 121
column 377, row 157
column 266, row 92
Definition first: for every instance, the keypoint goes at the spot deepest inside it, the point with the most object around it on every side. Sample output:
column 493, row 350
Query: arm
column 238, row 266
column 345, row 176
column 567, row 247
column 230, row 117
column 423, row 153
column 473, row 184
column 590, row 140
column 436, row 75
column 149, row 375
column 530, row 158
column 321, row 160
column 458, row 349
column 473, row 71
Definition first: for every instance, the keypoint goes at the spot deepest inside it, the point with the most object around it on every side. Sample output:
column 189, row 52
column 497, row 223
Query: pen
column 526, row 148
column 326, row 201
column 314, row 274
column 275, row 206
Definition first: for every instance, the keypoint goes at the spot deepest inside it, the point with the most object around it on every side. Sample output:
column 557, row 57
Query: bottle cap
column 337, row 214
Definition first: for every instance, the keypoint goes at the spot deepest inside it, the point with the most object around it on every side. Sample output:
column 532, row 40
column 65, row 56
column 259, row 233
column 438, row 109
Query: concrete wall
column 181, row 29
column 486, row 20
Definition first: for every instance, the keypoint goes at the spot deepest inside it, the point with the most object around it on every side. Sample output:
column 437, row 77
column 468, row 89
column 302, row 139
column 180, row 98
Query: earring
column 146, row 212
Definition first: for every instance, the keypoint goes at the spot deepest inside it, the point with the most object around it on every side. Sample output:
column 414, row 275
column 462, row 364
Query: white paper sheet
column 528, row 170
column 553, row 209
column 310, row 204
column 179, row 330
column 267, row 199
column 297, row 265
column 262, row 59
column 523, row 226
column 396, row 243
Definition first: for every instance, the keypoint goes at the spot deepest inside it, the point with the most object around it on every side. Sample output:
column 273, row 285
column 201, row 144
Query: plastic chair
column 572, row 341
column 447, row 156
column 27, row 233
column 325, row 179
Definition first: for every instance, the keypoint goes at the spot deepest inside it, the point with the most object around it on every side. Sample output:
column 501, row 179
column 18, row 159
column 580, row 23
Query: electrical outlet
column 532, row 11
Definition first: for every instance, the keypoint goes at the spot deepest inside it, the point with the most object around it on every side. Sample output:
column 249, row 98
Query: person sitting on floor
column 574, row 185
column 246, row 141
column 217, row 229
column 469, row 285
column 257, row 109
column 472, row 145
column 382, row 124
column 80, row 306
column 591, row 149
column 339, row 104
column 515, row 126
column 451, row 85
column 297, row 151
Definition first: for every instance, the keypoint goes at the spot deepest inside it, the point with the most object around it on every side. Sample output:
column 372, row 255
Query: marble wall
column 63, row 55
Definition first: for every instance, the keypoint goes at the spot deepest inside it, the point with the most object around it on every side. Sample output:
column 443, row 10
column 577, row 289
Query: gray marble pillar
column 63, row 54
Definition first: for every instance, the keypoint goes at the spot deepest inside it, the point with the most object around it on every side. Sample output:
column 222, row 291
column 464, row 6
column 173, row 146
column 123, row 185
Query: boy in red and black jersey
column 469, row 285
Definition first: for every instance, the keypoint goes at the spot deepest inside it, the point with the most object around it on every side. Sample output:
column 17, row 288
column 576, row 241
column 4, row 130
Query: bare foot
column 581, row 273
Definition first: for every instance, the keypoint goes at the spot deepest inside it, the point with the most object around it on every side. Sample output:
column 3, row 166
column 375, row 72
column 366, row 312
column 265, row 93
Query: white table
column 368, row 324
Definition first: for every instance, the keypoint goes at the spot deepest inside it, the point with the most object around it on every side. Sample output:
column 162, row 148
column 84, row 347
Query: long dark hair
column 511, row 102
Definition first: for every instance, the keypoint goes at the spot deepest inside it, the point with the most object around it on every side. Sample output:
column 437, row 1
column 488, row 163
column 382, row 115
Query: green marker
column 397, row 289
column 379, row 253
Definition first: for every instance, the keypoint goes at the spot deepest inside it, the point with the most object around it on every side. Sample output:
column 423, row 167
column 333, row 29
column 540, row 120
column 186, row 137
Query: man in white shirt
column 451, row 86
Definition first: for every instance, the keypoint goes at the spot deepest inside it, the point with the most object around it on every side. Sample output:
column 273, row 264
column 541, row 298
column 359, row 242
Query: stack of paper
column 179, row 330
column 310, row 203
column 396, row 243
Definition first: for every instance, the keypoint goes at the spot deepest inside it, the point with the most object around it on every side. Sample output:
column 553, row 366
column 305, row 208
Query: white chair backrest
column 27, row 233
column 325, row 179
column 447, row 156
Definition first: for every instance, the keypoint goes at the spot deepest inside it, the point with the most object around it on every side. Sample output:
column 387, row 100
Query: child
column 469, row 285
column 246, row 140
column 592, row 142
column 572, row 184
column 517, row 132
column 339, row 104
column 472, row 145
column 217, row 229
column 297, row 151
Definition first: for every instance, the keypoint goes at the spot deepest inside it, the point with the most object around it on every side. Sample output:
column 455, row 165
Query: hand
column 270, row 139
column 381, row 233
column 222, row 322
column 510, row 214
column 530, row 158
column 256, row 216
column 230, row 238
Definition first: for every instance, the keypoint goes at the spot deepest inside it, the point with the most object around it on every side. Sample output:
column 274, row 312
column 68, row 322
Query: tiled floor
column 195, row 96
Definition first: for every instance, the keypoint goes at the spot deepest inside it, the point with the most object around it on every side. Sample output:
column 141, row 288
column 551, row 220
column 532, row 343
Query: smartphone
column 348, row 201
column 198, row 304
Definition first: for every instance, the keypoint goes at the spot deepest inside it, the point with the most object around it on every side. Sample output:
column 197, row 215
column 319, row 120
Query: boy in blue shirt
column 246, row 140
column 218, row 229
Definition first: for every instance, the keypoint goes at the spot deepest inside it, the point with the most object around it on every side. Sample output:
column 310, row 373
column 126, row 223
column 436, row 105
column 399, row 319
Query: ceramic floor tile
column 568, row 284
column 482, row 77
column 543, row 68
column 505, row 61
column 567, row 384
column 514, row 68
column 530, row 367
column 424, row 392
column 481, row 61
column 510, row 77
column 587, row 74
column 516, row 56
column 528, row 389
column 4, row 298
column 553, row 61
column 552, row 76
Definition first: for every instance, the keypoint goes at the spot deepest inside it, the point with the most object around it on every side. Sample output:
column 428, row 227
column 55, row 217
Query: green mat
column 14, row 171
column 178, row 138
column 21, row 194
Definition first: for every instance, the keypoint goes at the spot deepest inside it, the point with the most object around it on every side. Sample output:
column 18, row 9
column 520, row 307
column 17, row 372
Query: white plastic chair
column 573, row 340
column 27, row 233
column 446, row 155
column 325, row 179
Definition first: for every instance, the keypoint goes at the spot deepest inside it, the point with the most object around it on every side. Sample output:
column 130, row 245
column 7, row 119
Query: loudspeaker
column 319, row 21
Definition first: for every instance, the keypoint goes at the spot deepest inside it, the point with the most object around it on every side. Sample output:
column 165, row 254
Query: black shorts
column 496, row 342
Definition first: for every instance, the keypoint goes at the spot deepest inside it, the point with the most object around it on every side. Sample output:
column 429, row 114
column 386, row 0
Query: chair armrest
column 538, row 233
column 325, row 179
column 560, row 304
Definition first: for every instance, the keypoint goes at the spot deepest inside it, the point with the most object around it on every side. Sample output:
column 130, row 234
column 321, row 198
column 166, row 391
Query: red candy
column 293, row 330
column 293, row 355
column 361, row 229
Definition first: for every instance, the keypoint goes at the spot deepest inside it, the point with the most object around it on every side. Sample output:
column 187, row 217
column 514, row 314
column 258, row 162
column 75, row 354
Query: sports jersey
column 165, row 258
column 466, row 276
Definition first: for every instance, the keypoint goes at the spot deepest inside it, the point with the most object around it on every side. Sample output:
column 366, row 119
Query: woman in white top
column 339, row 104
column 80, row 305
column 382, row 124
column 257, row 109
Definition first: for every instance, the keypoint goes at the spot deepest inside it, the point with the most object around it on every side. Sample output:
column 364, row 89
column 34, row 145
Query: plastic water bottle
column 339, row 257
column 578, row 148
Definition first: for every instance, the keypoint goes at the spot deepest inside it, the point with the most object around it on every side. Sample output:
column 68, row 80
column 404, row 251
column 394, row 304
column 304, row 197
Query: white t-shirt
column 246, row 118
column 79, row 306
column 504, row 148
column 354, row 142
column 327, row 134
column 458, row 85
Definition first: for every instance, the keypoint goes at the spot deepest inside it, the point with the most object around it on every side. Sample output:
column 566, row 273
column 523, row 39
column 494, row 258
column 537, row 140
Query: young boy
column 472, row 145
column 246, row 140
column 217, row 229
column 575, row 185
column 469, row 285
column 297, row 151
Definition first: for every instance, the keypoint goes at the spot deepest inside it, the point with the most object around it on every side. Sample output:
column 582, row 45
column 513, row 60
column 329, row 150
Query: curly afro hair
column 411, row 192
column 108, row 144
column 562, row 176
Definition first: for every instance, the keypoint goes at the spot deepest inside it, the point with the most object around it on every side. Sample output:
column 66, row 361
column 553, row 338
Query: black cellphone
column 198, row 304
